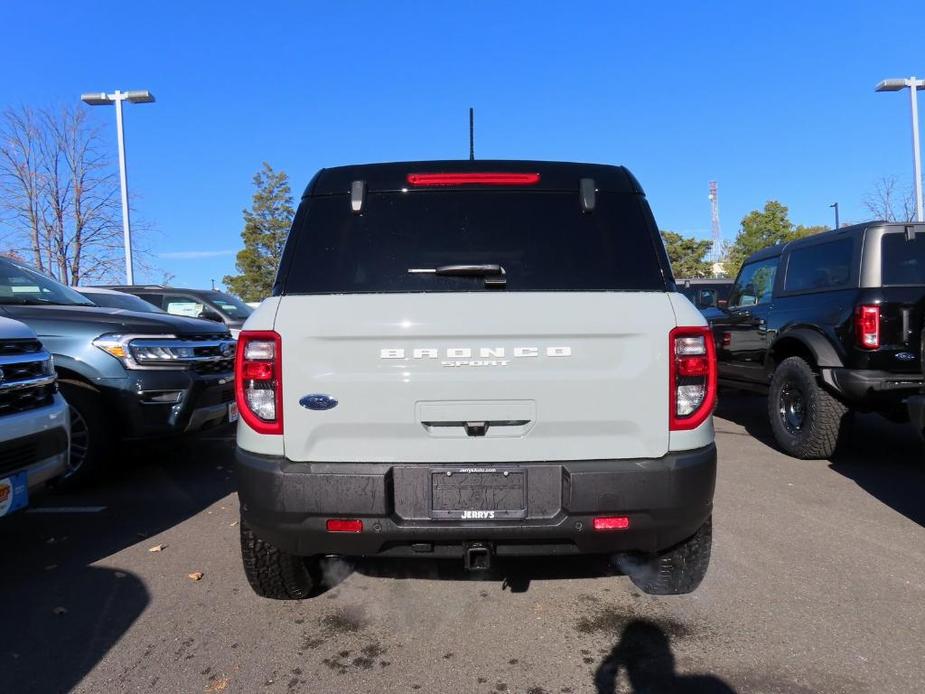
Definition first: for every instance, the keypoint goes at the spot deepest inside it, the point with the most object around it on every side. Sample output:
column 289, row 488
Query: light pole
column 117, row 97
column 835, row 205
column 914, row 85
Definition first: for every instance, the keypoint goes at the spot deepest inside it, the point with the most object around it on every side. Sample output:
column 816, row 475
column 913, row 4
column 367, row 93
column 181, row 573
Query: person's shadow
column 644, row 654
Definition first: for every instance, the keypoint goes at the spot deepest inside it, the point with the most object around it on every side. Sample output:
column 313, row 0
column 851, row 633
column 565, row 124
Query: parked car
column 125, row 374
column 826, row 326
column 34, row 421
column 207, row 304
column 110, row 298
column 475, row 359
column 706, row 293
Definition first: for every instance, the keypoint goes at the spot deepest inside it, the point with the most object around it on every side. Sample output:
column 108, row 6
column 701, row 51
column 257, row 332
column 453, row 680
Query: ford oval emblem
column 905, row 356
column 318, row 401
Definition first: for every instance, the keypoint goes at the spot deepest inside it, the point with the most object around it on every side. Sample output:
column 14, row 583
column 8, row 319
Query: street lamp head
column 891, row 86
column 96, row 98
column 140, row 97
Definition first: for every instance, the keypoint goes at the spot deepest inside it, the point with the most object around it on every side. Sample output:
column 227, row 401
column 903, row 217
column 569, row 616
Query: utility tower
column 714, row 221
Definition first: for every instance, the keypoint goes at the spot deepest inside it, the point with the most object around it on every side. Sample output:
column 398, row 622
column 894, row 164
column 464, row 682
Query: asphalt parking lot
column 817, row 585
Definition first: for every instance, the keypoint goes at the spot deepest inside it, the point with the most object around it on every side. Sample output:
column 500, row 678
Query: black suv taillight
column 691, row 377
column 259, row 380
column 867, row 326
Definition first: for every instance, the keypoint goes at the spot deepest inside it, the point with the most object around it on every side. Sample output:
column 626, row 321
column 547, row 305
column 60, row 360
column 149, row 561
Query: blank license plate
column 478, row 494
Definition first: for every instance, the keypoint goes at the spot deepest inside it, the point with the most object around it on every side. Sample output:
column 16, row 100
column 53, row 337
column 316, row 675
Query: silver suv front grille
column 27, row 376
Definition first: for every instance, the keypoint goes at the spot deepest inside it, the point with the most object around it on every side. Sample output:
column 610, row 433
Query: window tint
column 231, row 306
column 20, row 284
column 903, row 261
column 129, row 302
column 541, row 239
column 823, row 266
column 755, row 284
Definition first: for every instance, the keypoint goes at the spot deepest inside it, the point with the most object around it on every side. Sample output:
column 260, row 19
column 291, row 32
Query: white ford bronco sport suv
column 475, row 359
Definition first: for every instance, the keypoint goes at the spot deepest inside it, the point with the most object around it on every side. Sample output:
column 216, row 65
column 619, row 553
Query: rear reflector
column 611, row 523
column 344, row 525
column 477, row 179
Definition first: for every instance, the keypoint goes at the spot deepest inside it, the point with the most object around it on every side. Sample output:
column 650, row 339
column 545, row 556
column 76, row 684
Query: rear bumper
column 287, row 504
column 872, row 388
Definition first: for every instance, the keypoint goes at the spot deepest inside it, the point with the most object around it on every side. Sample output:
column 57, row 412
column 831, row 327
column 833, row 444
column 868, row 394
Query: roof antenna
column 471, row 133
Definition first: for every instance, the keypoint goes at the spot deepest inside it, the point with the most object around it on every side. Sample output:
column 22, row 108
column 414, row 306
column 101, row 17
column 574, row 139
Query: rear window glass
column 823, row 266
column 541, row 239
column 903, row 260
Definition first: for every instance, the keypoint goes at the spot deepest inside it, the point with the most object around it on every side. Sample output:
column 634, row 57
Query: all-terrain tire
column 92, row 436
column 679, row 570
column 273, row 573
column 825, row 417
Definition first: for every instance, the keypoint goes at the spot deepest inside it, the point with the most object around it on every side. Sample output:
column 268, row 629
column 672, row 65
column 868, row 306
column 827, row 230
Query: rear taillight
column 486, row 178
column 692, row 377
column 258, row 381
column 867, row 326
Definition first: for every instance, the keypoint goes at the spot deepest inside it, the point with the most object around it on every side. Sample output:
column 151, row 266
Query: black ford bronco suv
column 826, row 326
column 475, row 359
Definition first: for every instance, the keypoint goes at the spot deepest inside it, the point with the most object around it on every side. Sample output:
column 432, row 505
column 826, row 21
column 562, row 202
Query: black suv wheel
column 91, row 434
column 276, row 574
column 806, row 420
column 677, row 571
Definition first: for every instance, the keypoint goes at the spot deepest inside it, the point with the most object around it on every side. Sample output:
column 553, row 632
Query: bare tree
column 60, row 194
column 21, row 189
column 890, row 202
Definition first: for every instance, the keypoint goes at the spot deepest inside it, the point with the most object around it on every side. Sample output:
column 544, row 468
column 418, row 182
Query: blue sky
column 773, row 101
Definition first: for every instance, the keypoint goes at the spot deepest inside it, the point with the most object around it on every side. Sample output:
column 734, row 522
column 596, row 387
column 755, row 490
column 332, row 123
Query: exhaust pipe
column 477, row 557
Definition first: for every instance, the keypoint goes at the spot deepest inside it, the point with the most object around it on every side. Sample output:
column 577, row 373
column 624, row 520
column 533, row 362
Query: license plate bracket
column 478, row 493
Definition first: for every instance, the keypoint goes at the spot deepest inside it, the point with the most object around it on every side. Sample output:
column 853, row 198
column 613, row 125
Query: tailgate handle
column 479, row 428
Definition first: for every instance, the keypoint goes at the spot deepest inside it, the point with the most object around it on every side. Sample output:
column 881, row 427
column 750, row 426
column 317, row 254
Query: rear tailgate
column 900, row 293
column 551, row 376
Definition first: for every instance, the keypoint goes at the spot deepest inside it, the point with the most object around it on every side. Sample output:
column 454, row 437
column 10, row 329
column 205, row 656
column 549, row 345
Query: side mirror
column 208, row 314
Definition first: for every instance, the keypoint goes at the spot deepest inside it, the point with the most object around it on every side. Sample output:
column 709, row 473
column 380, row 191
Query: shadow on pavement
column 644, row 654
column 60, row 614
column 885, row 459
column 888, row 462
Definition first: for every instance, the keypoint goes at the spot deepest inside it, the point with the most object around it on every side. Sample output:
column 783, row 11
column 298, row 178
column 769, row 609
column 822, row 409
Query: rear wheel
column 276, row 574
column 807, row 421
column 677, row 571
column 91, row 434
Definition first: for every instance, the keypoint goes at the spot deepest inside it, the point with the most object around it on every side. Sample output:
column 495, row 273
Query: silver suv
column 475, row 359
column 34, row 419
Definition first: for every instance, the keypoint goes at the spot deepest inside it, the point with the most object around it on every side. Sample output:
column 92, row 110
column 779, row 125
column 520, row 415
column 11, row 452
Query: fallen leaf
column 195, row 576
column 219, row 685
column 157, row 548
column 60, row 610
column 231, row 525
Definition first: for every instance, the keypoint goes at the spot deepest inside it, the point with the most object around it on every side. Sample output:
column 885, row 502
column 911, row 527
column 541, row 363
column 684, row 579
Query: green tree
column 688, row 255
column 266, row 226
column 763, row 228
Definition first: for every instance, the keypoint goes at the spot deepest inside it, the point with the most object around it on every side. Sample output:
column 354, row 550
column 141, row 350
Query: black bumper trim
column 287, row 504
column 26, row 450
